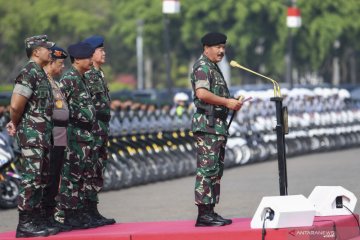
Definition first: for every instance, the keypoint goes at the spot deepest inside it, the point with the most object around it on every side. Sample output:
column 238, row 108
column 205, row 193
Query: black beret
column 213, row 38
column 58, row 53
column 95, row 41
column 81, row 50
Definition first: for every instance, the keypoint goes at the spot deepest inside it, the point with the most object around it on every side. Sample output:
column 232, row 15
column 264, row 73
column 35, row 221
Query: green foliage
column 256, row 30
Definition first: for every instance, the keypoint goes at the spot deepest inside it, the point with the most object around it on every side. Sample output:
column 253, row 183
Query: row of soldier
column 135, row 118
column 73, row 118
column 61, row 128
column 139, row 118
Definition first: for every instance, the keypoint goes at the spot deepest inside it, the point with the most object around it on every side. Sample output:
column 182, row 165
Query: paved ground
column 242, row 189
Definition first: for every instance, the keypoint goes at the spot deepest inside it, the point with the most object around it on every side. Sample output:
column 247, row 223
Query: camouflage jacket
column 206, row 74
column 81, row 109
column 101, row 100
column 35, row 126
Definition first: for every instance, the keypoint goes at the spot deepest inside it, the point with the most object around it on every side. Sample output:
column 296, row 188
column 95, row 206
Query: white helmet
column 180, row 96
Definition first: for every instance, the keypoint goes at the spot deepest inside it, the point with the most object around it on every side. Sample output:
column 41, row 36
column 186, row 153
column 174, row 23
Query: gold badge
column 59, row 104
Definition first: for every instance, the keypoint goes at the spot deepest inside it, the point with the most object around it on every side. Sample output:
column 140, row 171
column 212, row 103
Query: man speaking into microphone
column 209, row 125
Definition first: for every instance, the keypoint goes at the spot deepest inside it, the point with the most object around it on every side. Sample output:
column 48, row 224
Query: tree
column 256, row 30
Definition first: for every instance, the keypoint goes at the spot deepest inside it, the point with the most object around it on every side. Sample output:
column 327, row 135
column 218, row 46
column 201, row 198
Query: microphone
column 277, row 92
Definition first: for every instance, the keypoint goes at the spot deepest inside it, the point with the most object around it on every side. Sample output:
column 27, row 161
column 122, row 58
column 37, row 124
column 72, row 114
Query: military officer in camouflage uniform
column 80, row 139
column 100, row 96
column 31, row 110
column 209, row 125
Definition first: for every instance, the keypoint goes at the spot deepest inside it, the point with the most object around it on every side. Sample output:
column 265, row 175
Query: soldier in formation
column 80, row 140
column 30, row 113
column 99, row 93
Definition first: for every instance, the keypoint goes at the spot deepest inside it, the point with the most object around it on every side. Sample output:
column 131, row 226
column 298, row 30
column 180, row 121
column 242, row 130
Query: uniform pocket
column 44, row 97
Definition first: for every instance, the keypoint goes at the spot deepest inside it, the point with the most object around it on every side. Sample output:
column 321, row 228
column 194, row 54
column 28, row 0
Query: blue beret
column 213, row 38
column 95, row 41
column 58, row 53
column 81, row 50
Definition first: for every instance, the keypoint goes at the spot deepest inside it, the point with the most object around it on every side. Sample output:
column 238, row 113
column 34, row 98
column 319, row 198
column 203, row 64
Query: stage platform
column 334, row 227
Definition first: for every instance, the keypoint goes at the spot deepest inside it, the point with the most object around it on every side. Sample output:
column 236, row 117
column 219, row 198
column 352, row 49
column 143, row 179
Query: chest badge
column 59, row 104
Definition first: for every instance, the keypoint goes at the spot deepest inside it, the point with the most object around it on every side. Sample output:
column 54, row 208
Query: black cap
column 213, row 38
column 81, row 50
column 58, row 53
column 95, row 41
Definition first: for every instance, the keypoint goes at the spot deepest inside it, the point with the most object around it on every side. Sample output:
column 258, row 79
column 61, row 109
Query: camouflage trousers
column 94, row 178
column 210, row 149
column 73, row 175
column 34, row 169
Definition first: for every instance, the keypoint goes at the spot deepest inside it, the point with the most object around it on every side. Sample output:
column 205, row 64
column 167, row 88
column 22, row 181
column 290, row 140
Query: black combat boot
column 207, row 218
column 28, row 227
column 92, row 220
column 48, row 215
column 74, row 219
column 93, row 211
column 39, row 217
column 226, row 221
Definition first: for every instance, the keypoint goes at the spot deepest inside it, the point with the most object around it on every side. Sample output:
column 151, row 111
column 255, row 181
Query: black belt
column 82, row 125
column 217, row 114
column 59, row 123
column 103, row 117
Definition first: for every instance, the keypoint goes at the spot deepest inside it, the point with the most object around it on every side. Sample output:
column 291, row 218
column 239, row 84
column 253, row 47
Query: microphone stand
column 281, row 150
column 281, row 129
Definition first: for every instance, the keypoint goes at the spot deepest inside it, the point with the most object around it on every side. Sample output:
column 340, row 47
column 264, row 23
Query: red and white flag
column 293, row 19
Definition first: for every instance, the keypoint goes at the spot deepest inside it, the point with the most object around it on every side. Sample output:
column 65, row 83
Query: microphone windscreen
column 233, row 63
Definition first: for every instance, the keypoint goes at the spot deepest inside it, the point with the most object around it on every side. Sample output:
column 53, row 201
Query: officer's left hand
column 11, row 128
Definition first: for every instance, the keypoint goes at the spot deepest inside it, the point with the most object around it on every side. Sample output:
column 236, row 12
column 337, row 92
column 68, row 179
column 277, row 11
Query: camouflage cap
column 38, row 41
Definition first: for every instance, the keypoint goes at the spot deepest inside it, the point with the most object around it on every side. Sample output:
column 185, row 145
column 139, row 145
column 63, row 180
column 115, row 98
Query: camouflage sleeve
column 24, row 85
column 89, row 81
column 90, row 76
column 87, row 77
column 201, row 78
column 66, row 87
